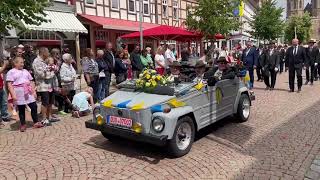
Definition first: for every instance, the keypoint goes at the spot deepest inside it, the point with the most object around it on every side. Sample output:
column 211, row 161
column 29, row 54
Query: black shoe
column 267, row 88
column 299, row 90
column 291, row 90
column 307, row 82
column 311, row 83
column 315, row 79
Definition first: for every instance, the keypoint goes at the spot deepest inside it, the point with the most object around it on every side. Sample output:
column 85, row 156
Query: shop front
column 61, row 31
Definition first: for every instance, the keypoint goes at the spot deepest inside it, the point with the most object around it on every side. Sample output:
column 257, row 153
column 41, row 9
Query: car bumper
column 156, row 140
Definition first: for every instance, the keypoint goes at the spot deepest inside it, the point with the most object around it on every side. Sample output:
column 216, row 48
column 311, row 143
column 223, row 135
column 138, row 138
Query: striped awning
column 59, row 21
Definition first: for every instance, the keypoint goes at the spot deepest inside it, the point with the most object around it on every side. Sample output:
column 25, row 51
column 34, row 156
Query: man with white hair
column 295, row 61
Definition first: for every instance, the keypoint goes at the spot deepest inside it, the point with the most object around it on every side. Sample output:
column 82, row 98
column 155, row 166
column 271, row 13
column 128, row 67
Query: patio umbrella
column 164, row 33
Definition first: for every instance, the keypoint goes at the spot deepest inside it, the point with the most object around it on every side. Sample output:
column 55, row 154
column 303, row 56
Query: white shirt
column 159, row 58
column 169, row 55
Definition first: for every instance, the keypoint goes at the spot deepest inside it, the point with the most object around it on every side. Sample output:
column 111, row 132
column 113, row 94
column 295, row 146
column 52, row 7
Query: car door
column 229, row 89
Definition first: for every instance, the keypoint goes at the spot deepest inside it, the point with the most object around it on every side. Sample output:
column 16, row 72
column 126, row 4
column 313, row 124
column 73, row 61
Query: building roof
column 59, row 21
column 117, row 24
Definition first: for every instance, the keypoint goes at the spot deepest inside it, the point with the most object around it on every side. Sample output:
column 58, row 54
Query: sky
column 283, row 3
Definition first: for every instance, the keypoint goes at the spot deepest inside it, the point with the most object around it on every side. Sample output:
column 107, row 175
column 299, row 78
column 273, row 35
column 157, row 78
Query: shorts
column 46, row 98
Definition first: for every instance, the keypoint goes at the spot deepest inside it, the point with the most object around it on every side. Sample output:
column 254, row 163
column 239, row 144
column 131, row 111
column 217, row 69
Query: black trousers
column 281, row 64
column 259, row 73
column 95, row 86
column 292, row 73
column 317, row 71
column 272, row 76
column 22, row 113
column 310, row 72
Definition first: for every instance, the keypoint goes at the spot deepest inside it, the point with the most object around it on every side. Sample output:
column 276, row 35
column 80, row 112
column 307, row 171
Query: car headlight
column 158, row 124
column 96, row 111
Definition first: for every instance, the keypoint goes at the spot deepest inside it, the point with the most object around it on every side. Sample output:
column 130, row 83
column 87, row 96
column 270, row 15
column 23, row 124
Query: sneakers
column 54, row 119
column 46, row 122
column 76, row 114
column 23, row 128
column 62, row 113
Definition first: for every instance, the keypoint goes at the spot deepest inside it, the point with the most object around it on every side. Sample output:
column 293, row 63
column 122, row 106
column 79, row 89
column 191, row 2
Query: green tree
column 303, row 27
column 13, row 11
column 213, row 16
column 267, row 23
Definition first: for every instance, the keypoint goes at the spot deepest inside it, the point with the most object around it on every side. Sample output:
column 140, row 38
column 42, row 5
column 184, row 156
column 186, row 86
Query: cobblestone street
column 280, row 141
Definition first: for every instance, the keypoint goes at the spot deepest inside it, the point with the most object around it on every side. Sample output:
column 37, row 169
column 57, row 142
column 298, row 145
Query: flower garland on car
column 149, row 79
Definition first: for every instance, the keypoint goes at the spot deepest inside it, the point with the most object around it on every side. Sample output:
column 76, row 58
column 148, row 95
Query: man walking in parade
column 249, row 59
column 317, row 61
column 282, row 53
column 270, row 62
column 310, row 61
column 295, row 60
column 259, row 65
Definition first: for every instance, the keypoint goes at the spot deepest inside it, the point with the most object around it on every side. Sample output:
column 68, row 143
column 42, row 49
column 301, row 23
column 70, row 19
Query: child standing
column 22, row 92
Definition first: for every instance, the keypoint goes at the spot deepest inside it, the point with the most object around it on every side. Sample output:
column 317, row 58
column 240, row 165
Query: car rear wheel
column 183, row 137
column 243, row 112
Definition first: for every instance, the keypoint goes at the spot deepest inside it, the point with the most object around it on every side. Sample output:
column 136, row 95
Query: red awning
column 117, row 24
column 164, row 33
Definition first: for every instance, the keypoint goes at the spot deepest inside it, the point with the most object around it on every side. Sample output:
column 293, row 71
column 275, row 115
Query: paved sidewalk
column 280, row 141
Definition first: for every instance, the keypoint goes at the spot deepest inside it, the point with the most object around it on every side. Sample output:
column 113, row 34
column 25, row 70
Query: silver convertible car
column 172, row 116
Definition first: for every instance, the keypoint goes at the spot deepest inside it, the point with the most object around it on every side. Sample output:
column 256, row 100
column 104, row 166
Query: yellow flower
column 158, row 77
column 154, row 83
column 148, row 84
column 153, row 71
column 140, row 75
column 145, row 71
column 148, row 76
column 153, row 77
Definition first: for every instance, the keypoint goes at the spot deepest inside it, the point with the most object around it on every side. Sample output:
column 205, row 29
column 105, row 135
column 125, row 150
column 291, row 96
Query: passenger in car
column 200, row 69
column 221, row 72
column 175, row 74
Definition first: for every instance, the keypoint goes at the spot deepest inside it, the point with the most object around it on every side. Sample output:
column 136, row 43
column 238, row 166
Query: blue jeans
column 251, row 74
column 101, row 89
column 4, row 105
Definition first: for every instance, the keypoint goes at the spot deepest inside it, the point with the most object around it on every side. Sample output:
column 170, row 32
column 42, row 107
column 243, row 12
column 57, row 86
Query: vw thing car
column 171, row 116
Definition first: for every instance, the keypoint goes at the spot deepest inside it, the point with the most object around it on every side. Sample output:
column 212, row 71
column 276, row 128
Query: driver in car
column 221, row 72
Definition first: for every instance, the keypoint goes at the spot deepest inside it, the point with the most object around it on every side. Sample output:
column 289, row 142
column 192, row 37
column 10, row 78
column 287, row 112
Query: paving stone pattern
column 280, row 141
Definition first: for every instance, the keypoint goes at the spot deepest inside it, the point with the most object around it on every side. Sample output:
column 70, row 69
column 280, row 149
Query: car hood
column 127, row 99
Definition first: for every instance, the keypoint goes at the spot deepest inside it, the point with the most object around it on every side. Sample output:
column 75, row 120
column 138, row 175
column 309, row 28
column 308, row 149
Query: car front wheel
column 243, row 112
column 183, row 137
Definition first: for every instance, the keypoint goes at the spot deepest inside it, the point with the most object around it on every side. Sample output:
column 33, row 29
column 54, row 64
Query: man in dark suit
column 270, row 63
column 260, row 54
column 282, row 53
column 109, row 59
column 249, row 59
column 311, row 51
column 295, row 60
column 317, row 61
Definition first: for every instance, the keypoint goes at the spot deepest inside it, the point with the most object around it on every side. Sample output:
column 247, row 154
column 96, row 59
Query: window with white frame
column 146, row 6
column 60, row 1
column 164, row 8
column 115, row 4
column 90, row 2
column 132, row 6
column 175, row 11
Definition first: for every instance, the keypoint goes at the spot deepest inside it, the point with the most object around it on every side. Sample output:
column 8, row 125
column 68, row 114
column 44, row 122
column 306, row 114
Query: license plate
column 120, row 121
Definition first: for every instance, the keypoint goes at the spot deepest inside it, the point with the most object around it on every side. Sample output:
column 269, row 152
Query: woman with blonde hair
column 160, row 61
